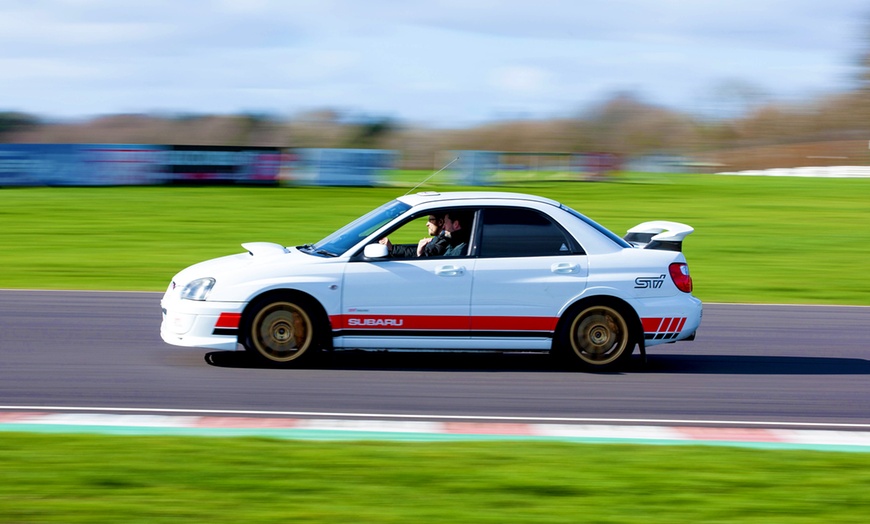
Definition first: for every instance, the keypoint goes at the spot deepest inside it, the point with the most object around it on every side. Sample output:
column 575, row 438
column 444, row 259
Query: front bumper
column 190, row 323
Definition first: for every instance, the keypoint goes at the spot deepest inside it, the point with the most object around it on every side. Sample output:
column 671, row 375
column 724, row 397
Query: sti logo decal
column 649, row 282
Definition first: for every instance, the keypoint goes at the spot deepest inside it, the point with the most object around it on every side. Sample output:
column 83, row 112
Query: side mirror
column 376, row 251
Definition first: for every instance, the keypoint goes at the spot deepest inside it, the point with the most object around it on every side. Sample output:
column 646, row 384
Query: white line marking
column 235, row 412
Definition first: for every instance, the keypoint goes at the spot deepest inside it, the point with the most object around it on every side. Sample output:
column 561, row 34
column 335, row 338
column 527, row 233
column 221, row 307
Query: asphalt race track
column 751, row 364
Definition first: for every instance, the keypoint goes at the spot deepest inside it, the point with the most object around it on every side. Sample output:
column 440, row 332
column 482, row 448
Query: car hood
column 263, row 259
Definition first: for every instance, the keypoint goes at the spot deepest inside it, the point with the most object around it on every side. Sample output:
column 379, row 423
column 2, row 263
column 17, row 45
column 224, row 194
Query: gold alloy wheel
column 282, row 332
column 599, row 335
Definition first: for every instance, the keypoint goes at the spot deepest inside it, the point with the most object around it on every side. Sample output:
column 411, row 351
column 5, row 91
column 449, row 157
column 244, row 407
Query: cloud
column 520, row 80
column 441, row 60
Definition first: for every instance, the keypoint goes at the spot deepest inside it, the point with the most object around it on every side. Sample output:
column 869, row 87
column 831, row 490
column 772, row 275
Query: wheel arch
column 318, row 313
column 629, row 313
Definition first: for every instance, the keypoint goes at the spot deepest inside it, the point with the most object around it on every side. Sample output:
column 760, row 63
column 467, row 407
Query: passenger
column 458, row 236
column 434, row 246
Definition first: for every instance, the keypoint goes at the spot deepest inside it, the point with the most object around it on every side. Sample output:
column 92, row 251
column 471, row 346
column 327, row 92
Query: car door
column 421, row 302
column 527, row 269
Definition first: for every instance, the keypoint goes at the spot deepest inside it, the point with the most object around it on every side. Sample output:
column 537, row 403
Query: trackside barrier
column 145, row 165
column 339, row 167
column 79, row 165
column 131, row 164
column 135, row 164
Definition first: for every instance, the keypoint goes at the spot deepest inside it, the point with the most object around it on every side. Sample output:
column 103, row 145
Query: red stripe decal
column 446, row 323
column 663, row 325
column 651, row 325
column 455, row 323
column 228, row 321
column 513, row 323
column 398, row 322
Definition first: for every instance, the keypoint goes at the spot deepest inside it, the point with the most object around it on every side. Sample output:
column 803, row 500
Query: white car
column 534, row 275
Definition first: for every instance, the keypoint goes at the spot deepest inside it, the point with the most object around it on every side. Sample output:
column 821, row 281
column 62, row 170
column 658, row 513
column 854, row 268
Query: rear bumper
column 671, row 320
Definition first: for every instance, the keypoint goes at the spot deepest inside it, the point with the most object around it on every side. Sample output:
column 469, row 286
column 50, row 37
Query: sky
column 438, row 63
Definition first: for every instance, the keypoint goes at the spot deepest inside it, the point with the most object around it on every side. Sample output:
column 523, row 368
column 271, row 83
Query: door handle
column 449, row 271
column 564, row 268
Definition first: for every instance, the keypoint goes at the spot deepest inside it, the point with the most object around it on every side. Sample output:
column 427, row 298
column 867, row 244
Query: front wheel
column 281, row 332
column 597, row 336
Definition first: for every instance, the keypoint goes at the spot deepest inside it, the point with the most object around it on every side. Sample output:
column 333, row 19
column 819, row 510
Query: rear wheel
column 597, row 336
column 282, row 331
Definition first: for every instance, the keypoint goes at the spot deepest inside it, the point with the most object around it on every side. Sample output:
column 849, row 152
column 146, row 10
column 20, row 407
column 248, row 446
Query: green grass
column 757, row 239
column 95, row 479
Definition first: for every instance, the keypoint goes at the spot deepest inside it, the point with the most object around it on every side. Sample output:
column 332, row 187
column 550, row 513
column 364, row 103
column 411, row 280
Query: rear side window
column 522, row 233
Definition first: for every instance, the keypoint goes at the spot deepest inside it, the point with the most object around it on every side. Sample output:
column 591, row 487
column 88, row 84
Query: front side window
column 522, row 233
column 351, row 234
column 443, row 232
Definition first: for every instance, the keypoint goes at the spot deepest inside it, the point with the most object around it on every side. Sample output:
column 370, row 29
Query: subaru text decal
column 393, row 322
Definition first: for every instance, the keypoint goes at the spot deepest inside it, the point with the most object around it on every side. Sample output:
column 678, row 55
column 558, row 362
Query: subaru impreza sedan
column 530, row 275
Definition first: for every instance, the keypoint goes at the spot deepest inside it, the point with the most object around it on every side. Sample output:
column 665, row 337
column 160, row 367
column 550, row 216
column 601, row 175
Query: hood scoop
column 264, row 248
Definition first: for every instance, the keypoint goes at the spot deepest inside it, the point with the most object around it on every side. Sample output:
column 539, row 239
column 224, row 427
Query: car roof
column 470, row 197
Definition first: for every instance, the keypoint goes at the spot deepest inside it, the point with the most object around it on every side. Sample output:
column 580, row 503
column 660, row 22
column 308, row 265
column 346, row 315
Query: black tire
column 282, row 330
column 596, row 336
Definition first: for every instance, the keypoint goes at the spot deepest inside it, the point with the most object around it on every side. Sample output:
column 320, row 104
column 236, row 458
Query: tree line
column 833, row 130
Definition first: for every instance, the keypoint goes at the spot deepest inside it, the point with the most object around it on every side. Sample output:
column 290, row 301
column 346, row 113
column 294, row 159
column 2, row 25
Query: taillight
column 680, row 275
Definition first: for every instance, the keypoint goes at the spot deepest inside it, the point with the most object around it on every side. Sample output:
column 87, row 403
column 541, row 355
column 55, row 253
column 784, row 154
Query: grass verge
column 757, row 239
column 78, row 478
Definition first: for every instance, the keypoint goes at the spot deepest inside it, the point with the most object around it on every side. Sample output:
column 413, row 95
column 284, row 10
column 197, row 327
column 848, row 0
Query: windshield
column 348, row 236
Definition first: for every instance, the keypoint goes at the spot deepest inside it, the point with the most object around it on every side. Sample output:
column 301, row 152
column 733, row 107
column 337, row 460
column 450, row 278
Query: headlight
column 198, row 289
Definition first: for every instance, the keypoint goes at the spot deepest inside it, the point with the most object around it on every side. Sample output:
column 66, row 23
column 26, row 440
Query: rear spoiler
column 659, row 234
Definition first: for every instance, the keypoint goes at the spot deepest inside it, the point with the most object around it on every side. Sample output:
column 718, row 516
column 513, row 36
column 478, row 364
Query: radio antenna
column 433, row 174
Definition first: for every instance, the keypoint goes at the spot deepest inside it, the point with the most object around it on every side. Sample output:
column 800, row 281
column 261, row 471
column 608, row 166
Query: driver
column 434, row 246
